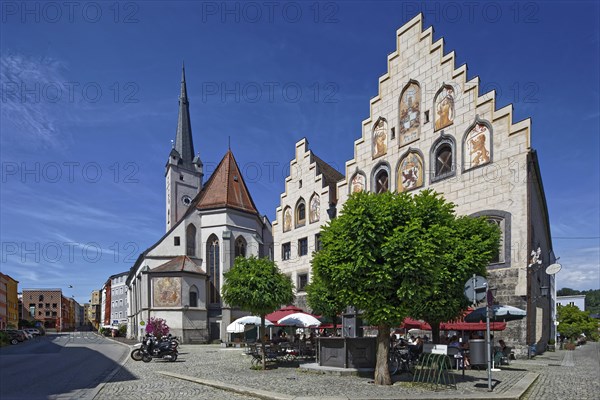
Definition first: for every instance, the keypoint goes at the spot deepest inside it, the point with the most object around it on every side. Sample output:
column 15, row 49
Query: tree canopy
column 572, row 322
column 396, row 255
column 322, row 299
column 256, row 285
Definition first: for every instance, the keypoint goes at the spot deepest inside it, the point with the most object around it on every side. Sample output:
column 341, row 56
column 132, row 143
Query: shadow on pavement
column 41, row 368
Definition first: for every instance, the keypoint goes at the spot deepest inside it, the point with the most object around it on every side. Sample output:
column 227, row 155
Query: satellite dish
column 553, row 269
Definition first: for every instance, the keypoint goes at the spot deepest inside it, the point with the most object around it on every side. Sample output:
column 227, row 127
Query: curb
column 93, row 393
column 514, row 393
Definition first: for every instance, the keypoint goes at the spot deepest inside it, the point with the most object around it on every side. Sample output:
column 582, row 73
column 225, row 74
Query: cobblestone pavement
column 567, row 374
column 558, row 380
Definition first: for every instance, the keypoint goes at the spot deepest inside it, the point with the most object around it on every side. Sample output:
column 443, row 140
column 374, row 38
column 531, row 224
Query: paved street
column 57, row 366
column 562, row 375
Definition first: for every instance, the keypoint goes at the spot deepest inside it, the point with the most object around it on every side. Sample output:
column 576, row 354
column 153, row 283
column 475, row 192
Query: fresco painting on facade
column 315, row 208
column 410, row 172
column 380, row 138
column 410, row 111
column 444, row 106
column 477, row 145
column 358, row 183
column 167, row 292
column 287, row 219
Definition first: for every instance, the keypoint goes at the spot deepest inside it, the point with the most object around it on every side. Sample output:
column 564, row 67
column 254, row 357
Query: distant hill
column 592, row 298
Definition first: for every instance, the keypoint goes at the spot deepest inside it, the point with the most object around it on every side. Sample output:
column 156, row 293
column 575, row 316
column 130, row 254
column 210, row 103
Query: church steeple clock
column 184, row 171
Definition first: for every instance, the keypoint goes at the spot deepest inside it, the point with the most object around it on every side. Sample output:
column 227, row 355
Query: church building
column 179, row 277
column 430, row 128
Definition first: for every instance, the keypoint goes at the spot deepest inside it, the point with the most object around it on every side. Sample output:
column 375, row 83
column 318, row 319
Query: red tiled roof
column 179, row 264
column 226, row 188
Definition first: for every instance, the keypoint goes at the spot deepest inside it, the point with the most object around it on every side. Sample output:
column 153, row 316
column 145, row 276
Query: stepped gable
column 226, row 188
column 459, row 75
column 180, row 264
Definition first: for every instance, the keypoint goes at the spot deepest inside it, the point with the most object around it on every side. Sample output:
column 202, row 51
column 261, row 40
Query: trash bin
column 477, row 352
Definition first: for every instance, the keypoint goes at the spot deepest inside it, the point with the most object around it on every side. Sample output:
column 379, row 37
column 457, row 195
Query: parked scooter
column 151, row 347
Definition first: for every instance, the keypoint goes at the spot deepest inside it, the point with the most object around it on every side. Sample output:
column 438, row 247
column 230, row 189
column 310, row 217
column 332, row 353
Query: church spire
column 184, row 144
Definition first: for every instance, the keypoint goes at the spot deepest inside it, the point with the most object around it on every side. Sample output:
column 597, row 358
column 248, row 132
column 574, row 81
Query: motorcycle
column 151, row 347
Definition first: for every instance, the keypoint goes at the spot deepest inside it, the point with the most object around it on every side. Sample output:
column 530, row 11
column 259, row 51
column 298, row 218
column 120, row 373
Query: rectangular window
column 176, row 241
column 47, row 305
column 193, row 299
column 41, row 305
column 53, row 305
column 302, row 281
column 47, row 313
column 317, row 242
column 303, row 246
column 54, row 313
column 286, row 251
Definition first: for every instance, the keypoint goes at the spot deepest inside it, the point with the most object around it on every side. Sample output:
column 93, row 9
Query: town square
column 357, row 200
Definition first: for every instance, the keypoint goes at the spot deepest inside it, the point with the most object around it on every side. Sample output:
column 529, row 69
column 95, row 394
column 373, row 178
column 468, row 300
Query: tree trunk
column 435, row 332
column 334, row 325
column 382, row 372
column 262, row 341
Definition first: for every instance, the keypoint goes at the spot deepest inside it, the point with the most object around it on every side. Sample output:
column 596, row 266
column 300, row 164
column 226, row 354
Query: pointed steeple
column 184, row 144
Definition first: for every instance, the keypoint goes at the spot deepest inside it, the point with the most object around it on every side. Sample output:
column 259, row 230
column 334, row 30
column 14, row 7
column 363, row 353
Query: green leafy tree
column 572, row 322
column 464, row 248
column 256, row 285
column 324, row 300
column 567, row 292
column 388, row 254
column 592, row 301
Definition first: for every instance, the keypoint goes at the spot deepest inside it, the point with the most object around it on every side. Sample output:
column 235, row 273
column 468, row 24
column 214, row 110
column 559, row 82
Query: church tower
column 183, row 170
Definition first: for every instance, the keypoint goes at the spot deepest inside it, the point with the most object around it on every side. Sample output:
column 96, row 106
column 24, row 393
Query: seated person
column 454, row 342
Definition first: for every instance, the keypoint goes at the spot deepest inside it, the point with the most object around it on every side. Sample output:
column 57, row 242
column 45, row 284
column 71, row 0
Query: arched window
column 240, row 247
column 443, row 158
column 409, row 113
column 381, row 179
column 214, row 271
column 300, row 213
column 190, row 240
column 502, row 219
column 193, row 296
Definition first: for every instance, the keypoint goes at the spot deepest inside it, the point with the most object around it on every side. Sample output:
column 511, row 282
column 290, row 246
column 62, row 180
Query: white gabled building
column 308, row 202
column 179, row 278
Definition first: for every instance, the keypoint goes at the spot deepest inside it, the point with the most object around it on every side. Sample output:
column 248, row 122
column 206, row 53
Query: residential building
column 118, row 299
column 574, row 300
column 95, row 309
column 48, row 306
column 12, row 301
column 3, row 302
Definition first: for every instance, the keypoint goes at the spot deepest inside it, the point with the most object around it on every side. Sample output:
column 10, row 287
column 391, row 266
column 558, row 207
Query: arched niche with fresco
column 380, row 137
column 443, row 106
column 409, row 114
column 477, row 144
column 410, row 172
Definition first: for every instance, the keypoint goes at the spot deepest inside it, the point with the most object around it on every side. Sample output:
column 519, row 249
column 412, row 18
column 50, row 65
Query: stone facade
column 429, row 128
column 310, row 189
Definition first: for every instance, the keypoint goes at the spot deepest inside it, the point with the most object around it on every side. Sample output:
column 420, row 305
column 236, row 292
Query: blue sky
column 89, row 107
